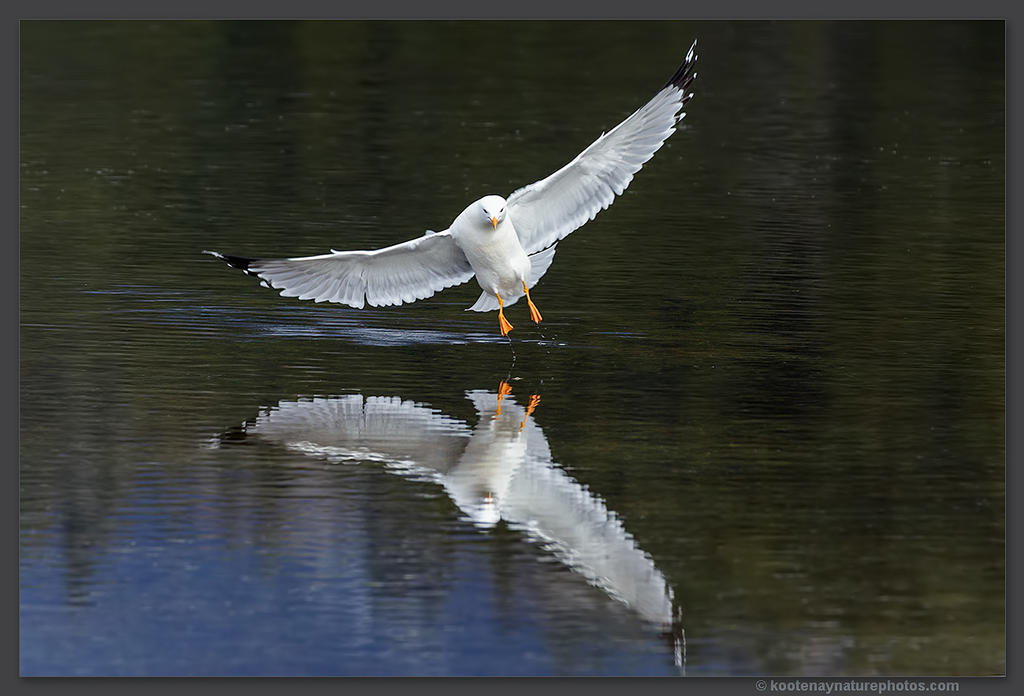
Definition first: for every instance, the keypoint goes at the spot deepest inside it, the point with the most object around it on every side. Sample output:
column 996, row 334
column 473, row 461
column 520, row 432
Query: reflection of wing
column 500, row 470
column 542, row 499
column 382, row 429
column 588, row 537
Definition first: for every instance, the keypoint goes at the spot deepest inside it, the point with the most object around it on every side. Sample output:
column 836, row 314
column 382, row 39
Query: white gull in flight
column 507, row 244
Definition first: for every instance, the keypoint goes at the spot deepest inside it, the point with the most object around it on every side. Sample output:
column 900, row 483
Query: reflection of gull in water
column 499, row 470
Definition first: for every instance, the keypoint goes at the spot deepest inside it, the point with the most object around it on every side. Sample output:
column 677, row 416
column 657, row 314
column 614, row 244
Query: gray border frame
column 533, row 9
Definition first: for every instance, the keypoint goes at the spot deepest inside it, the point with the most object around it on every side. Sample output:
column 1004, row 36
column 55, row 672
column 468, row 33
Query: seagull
column 499, row 470
column 506, row 243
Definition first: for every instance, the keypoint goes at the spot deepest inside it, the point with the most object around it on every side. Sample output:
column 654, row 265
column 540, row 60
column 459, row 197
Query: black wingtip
column 234, row 261
column 683, row 76
column 237, row 262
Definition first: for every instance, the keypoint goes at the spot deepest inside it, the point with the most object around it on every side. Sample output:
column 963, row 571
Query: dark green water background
column 778, row 359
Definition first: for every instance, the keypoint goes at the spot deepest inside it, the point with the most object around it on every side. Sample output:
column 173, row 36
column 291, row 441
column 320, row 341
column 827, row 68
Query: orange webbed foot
column 534, row 400
column 504, row 389
column 503, row 324
column 534, row 312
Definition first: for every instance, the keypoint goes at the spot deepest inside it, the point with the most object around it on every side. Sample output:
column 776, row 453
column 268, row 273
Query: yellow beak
column 494, row 221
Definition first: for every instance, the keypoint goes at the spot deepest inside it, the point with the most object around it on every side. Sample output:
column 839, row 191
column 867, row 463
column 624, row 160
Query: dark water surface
column 769, row 434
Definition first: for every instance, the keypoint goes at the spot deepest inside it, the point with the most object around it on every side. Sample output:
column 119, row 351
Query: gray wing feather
column 551, row 208
column 383, row 429
column 406, row 272
column 581, row 531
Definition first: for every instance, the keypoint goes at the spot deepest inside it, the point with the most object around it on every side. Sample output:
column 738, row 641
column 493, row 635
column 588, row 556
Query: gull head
column 492, row 210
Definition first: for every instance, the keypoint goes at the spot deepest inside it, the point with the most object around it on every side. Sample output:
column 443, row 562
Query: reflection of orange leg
column 504, row 389
column 534, row 400
column 502, row 321
column 534, row 312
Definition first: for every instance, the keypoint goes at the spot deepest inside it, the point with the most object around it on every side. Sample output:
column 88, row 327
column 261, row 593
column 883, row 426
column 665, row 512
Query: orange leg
column 503, row 324
column 534, row 400
column 534, row 312
column 504, row 389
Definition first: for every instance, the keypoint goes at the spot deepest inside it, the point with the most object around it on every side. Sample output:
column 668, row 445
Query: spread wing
column 551, row 208
column 403, row 434
column 574, row 523
column 405, row 272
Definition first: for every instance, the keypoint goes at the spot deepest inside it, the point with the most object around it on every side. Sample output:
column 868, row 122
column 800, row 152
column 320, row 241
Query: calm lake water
column 760, row 430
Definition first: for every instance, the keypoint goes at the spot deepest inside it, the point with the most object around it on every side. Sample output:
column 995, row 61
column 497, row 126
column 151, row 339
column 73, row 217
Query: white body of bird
column 493, row 249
